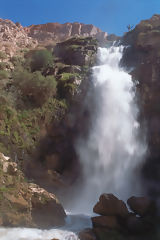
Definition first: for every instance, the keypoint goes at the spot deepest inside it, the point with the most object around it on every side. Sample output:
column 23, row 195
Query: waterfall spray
column 113, row 152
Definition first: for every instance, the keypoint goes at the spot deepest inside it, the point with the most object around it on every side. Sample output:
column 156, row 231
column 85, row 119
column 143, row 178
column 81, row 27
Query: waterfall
column 112, row 154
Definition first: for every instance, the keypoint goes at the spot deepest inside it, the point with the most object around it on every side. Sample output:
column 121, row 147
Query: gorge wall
column 142, row 55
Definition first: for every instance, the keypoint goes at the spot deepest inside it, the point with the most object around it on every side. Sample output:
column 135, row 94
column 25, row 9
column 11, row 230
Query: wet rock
column 87, row 234
column 109, row 205
column 105, row 234
column 141, row 205
column 110, row 222
column 138, row 225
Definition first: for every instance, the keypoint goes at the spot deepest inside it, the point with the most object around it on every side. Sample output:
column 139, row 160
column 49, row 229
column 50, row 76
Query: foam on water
column 74, row 224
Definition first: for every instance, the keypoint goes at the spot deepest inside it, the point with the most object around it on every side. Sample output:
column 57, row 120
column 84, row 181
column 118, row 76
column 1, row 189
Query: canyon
column 48, row 110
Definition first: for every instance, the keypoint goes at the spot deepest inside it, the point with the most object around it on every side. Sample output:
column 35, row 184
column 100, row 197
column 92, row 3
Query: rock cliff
column 142, row 55
column 50, row 32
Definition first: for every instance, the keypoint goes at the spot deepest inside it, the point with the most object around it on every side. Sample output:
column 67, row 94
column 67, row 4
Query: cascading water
column 112, row 153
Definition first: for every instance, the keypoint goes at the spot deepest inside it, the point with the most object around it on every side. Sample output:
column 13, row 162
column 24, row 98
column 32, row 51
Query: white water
column 74, row 224
column 114, row 151
column 111, row 155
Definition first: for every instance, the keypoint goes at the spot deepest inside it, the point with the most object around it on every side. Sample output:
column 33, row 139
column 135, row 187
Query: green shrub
column 35, row 86
column 2, row 55
column 2, row 65
column 3, row 74
column 41, row 59
column 17, row 60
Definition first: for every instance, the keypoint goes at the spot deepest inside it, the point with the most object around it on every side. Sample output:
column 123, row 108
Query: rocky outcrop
column 73, row 74
column 116, row 222
column 77, row 51
column 23, row 203
column 13, row 38
column 51, row 32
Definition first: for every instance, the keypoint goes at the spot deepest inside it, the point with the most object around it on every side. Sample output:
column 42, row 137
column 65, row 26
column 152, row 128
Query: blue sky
column 111, row 16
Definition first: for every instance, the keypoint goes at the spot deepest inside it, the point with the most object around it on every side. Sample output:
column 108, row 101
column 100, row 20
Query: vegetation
column 41, row 59
column 34, row 86
column 2, row 55
column 3, row 74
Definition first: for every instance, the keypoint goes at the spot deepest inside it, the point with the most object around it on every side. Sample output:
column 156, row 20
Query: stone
column 109, row 205
column 138, row 225
column 141, row 205
column 87, row 234
column 109, row 222
column 105, row 234
column 46, row 209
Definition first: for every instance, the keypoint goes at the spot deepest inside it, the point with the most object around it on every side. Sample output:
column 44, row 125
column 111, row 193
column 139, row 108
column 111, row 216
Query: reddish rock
column 109, row 205
column 141, row 205
column 50, row 32
column 106, row 222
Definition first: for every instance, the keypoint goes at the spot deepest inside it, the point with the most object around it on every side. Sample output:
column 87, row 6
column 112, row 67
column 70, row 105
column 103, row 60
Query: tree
column 130, row 27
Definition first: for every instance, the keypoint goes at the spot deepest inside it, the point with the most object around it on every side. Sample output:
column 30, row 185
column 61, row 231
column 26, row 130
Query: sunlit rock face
column 13, row 37
column 59, row 32
column 142, row 58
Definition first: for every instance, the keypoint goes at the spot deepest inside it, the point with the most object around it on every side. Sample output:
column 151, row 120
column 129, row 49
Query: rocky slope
column 40, row 95
column 50, row 32
column 14, row 38
column 143, row 54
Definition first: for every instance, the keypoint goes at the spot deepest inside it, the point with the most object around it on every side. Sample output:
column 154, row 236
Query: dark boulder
column 109, row 205
column 142, row 205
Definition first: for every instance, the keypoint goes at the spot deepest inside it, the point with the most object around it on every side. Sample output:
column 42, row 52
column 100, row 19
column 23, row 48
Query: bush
column 41, row 59
column 2, row 55
column 17, row 60
column 35, row 86
column 3, row 74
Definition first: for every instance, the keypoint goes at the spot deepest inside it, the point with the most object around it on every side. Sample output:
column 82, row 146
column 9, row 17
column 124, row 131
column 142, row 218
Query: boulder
column 105, row 234
column 109, row 222
column 141, row 205
column 109, row 205
column 138, row 225
column 46, row 209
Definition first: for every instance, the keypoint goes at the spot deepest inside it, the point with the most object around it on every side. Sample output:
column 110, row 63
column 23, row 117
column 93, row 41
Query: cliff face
column 143, row 54
column 59, row 32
